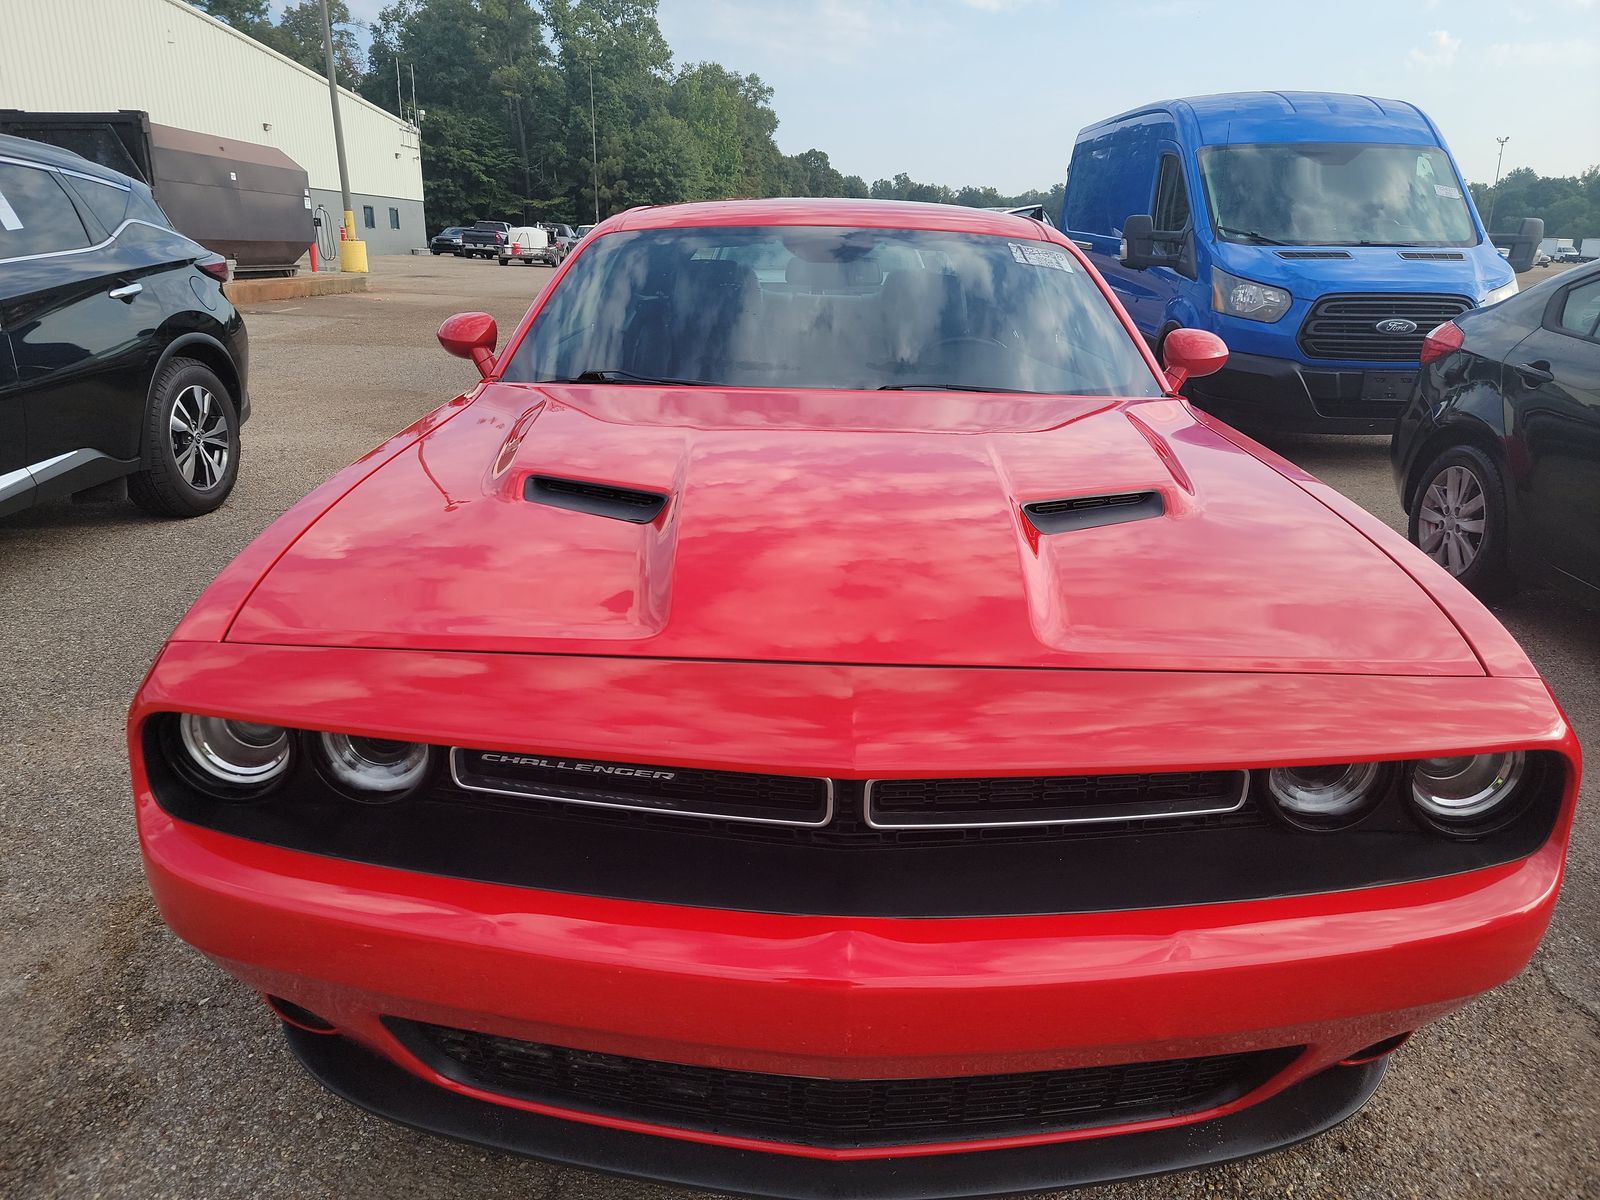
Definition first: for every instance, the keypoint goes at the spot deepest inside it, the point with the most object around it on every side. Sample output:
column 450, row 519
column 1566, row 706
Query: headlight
column 1245, row 298
column 374, row 765
column 1324, row 797
column 237, row 753
column 1504, row 292
column 1465, row 789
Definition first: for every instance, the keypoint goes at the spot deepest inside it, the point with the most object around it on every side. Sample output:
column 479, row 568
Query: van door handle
column 126, row 292
column 1534, row 373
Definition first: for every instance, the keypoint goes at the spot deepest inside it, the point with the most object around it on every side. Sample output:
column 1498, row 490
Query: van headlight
column 1245, row 298
column 1504, row 292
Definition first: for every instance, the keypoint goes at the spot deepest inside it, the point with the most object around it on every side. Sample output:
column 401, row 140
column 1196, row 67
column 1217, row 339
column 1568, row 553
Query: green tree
column 299, row 35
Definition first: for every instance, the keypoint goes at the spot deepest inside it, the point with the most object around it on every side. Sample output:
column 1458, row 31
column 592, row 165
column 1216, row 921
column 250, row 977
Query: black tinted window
column 108, row 204
column 36, row 216
column 1172, row 197
column 801, row 307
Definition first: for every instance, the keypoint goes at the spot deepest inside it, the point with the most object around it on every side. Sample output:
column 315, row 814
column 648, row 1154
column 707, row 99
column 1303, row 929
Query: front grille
column 729, row 795
column 1068, row 799
column 1347, row 326
column 837, row 1112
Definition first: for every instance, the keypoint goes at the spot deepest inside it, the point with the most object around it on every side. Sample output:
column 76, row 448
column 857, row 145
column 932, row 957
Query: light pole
column 594, row 148
column 1494, row 192
column 352, row 251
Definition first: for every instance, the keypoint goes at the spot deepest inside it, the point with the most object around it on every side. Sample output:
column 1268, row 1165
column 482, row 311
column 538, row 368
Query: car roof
column 55, row 156
column 872, row 214
column 1256, row 117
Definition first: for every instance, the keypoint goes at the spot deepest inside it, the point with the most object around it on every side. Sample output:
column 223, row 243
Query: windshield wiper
column 949, row 387
column 1260, row 239
column 616, row 376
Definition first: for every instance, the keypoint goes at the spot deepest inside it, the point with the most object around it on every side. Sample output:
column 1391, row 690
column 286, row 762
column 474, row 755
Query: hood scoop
column 1091, row 512
column 1314, row 254
column 598, row 499
column 1433, row 255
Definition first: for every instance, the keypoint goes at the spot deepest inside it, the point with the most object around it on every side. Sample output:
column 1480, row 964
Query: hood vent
column 600, row 499
column 1313, row 254
column 1433, row 255
column 1091, row 512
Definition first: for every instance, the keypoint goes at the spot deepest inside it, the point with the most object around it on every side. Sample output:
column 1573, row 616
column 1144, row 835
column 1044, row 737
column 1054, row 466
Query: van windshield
column 1343, row 194
column 831, row 307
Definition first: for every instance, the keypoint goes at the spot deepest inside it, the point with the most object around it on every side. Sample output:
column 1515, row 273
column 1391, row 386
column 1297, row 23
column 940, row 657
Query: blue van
column 1320, row 236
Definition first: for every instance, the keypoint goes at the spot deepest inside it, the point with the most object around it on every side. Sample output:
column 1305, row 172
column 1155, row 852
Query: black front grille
column 1070, row 799
column 837, row 1112
column 1347, row 326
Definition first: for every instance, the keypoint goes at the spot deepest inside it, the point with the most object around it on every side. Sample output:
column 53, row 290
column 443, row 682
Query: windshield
column 807, row 307
column 1335, row 195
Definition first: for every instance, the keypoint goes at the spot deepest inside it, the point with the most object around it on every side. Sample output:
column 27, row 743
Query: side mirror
column 1190, row 353
column 1523, row 246
column 1144, row 246
column 471, row 335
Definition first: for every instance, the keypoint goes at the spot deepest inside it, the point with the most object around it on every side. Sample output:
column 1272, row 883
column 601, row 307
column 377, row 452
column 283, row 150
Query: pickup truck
column 486, row 239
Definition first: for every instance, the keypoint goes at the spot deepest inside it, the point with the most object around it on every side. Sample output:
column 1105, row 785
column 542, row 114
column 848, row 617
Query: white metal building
column 190, row 70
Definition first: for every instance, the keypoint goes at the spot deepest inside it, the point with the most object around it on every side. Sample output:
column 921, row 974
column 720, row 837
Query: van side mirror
column 1523, row 246
column 471, row 335
column 1144, row 246
column 1190, row 353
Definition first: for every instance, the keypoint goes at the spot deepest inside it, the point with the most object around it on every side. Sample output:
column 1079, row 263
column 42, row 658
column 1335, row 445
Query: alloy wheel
column 199, row 433
column 1451, row 522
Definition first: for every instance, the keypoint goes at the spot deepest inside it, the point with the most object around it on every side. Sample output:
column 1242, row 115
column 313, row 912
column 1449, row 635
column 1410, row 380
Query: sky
column 994, row 91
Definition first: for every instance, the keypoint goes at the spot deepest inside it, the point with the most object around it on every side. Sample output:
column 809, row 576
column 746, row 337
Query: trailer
column 247, row 202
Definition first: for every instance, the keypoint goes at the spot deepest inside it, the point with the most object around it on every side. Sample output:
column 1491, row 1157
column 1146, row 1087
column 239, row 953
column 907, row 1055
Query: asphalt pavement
column 132, row 1067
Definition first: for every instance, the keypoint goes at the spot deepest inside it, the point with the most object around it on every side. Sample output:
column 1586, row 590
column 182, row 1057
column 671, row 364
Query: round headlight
column 1465, row 788
column 1324, row 797
column 240, row 753
column 380, row 765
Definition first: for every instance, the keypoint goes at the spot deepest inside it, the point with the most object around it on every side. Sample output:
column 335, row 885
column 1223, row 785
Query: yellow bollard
column 352, row 251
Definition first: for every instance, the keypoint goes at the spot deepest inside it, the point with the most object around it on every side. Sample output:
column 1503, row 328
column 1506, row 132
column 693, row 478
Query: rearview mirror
column 1144, row 246
column 1190, row 353
column 471, row 335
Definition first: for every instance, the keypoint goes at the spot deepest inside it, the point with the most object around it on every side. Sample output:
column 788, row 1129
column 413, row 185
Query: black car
column 1497, row 455
column 447, row 241
column 119, row 354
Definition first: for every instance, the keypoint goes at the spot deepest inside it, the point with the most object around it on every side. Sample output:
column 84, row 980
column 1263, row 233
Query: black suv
column 119, row 354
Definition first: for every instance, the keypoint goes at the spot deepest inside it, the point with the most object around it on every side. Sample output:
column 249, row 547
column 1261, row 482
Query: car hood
column 1470, row 271
column 837, row 527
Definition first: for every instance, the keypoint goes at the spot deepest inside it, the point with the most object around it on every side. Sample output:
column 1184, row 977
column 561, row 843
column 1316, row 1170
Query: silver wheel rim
column 198, row 429
column 1450, row 524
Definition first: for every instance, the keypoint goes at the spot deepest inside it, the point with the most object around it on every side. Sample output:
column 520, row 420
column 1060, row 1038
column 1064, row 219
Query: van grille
column 1346, row 326
column 837, row 1112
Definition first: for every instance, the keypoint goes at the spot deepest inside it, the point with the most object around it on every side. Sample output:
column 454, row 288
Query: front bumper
column 1280, row 395
column 377, row 1085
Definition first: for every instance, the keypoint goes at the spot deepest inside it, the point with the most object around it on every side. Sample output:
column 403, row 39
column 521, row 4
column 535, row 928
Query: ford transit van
column 1321, row 236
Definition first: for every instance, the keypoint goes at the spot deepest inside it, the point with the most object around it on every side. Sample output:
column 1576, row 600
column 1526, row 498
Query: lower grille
column 837, row 1112
column 1346, row 326
column 1044, row 800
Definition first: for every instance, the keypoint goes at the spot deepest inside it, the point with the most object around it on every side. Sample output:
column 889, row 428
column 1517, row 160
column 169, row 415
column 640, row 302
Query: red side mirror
column 1189, row 354
column 471, row 335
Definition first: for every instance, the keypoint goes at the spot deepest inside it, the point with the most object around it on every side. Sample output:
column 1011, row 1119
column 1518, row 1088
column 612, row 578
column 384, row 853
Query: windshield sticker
column 1041, row 256
column 1449, row 193
column 8, row 215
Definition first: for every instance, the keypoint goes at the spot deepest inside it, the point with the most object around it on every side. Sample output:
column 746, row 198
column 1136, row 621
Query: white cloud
column 832, row 31
column 1440, row 50
column 1541, row 52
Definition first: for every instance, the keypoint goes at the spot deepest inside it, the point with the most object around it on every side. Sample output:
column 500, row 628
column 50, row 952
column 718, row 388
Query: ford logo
column 1397, row 325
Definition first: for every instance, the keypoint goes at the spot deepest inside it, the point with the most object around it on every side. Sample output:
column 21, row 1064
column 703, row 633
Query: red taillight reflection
column 217, row 268
column 1442, row 340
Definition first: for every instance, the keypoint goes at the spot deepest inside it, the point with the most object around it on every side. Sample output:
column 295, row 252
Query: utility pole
column 352, row 251
column 1494, row 192
column 594, row 148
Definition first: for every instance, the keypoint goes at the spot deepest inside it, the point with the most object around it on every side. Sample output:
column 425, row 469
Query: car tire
column 504, row 261
column 191, row 421
column 1459, row 519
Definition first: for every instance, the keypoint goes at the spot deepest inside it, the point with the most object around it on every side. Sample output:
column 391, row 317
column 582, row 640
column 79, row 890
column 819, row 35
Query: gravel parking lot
column 129, row 1066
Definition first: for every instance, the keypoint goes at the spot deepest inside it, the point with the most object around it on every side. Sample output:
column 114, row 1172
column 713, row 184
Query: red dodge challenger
column 824, row 717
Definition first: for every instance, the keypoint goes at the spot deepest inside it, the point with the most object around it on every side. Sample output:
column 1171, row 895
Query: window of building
column 36, row 217
column 394, row 218
column 368, row 218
